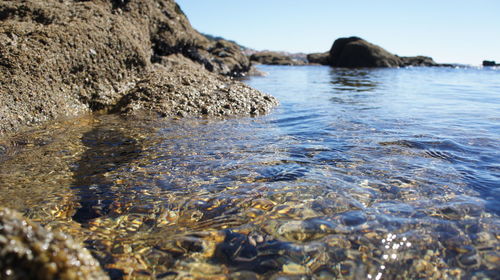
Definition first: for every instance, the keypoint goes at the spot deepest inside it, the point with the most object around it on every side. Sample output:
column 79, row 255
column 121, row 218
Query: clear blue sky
column 459, row 31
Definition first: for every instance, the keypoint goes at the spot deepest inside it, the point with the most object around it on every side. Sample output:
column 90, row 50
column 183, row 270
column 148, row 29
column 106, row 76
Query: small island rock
column 355, row 52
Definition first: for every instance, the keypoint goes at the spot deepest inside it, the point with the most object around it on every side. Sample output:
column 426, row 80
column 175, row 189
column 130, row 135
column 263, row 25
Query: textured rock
column 319, row 58
column 274, row 58
column 28, row 251
column 63, row 58
column 355, row 52
column 184, row 90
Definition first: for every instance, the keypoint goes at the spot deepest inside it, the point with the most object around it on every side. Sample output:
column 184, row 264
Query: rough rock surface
column 65, row 57
column 356, row 52
column 184, row 90
column 28, row 251
column 274, row 58
column 319, row 58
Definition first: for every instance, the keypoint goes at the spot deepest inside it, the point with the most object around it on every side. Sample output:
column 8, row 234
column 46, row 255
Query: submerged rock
column 28, row 251
column 356, row 52
column 63, row 58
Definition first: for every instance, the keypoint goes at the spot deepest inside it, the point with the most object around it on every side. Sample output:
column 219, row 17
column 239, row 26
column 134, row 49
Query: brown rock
column 28, row 251
column 319, row 58
column 62, row 58
column 274, row 58
column 186, row 89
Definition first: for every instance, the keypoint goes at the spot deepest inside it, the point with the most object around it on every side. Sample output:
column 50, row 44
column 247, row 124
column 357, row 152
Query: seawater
column 359, row 173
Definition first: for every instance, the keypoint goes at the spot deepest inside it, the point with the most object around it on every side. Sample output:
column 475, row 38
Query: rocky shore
column 65, row 58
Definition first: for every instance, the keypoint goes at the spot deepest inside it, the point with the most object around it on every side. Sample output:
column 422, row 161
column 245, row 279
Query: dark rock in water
column 490, row 63
column 28, row 251
column 355, row 52
column 64, row 58
column 319, row 58
column 417, row 61
column 274, row 58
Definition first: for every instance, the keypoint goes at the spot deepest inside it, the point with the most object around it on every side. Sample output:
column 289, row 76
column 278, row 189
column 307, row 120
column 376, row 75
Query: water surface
column 377, row 174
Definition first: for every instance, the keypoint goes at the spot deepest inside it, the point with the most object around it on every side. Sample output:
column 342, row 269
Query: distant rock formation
column 417, row 61
column 353, row 52
column 490, row 63
column 319, row 58
column 274, row 58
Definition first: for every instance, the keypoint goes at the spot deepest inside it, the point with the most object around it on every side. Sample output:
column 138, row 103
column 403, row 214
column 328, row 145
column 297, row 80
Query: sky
column 459, row 31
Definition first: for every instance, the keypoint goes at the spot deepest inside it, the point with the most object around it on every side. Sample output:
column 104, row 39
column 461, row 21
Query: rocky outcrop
column 182, row 89
column 490, row 63
column 28, row 251
column 274, row 58
column 319, row 58
column 63, row 58
column 356, row 52
column 417, row 61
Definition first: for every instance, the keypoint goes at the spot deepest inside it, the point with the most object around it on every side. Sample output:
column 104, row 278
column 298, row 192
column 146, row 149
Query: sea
column 357, row 174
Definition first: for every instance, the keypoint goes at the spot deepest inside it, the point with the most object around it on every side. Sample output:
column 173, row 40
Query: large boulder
column 65, row 57
column 274, row 58
column 29, row 251
column 319, row 58
column 355, row 52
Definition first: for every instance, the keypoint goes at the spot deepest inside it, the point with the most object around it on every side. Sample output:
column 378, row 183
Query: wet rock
column 28, row 251
column 188, row 90
column 319, row 58
column 274, row 58
column 64, row 58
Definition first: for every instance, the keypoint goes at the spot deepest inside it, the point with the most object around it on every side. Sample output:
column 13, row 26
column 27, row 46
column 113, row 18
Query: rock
column 490, row 63
column 355, row 52
column 319, row 58
column 28, row 251
column 65, row 58
column 274, row 58
column 189, row 90
column 417, row 61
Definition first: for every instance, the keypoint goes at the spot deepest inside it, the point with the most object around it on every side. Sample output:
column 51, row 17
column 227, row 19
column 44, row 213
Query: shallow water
column 378, row 174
